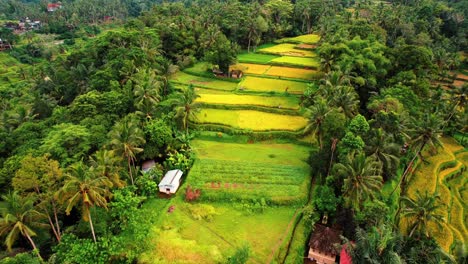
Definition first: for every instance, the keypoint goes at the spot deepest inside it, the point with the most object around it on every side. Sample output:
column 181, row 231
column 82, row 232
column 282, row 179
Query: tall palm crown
column 184, row 105
column 317, row 114
column 126, row 139
column 362, row 178
column 384, row 150
column 421, row 211
column 106, row 163
column 18, row 216
column 84, row 188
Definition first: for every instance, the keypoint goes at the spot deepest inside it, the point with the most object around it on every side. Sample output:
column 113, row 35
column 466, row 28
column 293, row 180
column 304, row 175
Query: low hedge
column 253, row 135
column 202, row 86
column 266, row 76
column 292, row 65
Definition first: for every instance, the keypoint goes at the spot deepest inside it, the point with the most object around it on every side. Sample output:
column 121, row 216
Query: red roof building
column 51, row 7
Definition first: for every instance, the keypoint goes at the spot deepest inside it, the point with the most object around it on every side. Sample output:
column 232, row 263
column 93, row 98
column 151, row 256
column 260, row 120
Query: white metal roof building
column 171, row 181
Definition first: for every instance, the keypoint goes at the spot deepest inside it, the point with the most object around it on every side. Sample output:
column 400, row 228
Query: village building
column 148, row 165
column 170, row 182
column 236, row 74
column 52, row 7
column 323, row 244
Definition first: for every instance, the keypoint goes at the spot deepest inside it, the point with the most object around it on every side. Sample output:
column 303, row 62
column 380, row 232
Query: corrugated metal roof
column 171, row 177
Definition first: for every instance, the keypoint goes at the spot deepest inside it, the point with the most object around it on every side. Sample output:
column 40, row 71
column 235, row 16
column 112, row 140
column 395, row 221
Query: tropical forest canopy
column 348, row 111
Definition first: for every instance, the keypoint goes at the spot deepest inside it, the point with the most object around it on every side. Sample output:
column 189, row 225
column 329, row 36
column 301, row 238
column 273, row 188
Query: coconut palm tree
column 377, row 245
column 422, row 134
column 346, row 99
column 384, row 150
column 106, row 163
column 82, row 187
column 184, row 106
column 362, row 178
column 165, row 71
column 421, row 211
column 126, row 139
column 146, row 91
column 317, row 114
column 19, row 217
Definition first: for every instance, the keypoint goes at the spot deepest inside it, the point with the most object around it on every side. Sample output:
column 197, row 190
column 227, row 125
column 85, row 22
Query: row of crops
column 445, row 174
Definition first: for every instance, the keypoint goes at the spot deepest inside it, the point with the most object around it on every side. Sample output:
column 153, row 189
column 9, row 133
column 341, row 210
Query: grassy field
column 248, row 119
column 277, row 173
column 287, row 49
column 258, row 84
column 296, row 61
column 256, row 58
column 289, row 102
column 182, row 237
column 292, row 72
column 184, row 78
column 307, row 39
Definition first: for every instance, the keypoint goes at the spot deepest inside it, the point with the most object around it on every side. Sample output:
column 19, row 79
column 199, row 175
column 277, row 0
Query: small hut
column 4, row 45
column 217, row 72
column 236, row 74
column 322, row 244
column 171, row 181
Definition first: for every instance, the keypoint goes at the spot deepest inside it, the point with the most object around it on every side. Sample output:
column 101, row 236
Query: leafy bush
column 202, row 211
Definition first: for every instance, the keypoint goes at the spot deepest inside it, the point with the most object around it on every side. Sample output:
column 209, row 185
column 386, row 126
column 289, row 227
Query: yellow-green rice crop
column 266, row 85
column 184, row 78
column 296, row 61
column 308, row 39
column 251, row 68
column 288, row 50
column 291, row 72
column 290, row 102
column 249, row 119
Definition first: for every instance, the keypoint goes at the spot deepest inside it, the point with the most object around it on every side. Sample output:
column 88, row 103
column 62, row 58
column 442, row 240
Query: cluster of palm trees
column 40, row 186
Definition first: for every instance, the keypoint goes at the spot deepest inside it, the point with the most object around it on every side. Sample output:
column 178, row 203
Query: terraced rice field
column 296, row 61
column 287, row 49
column 290, row 102
column 250, row 68
column 256, row 58
column 187, row 79
column 249, row 119
column 446, row 175
column 276, row 172
column 307, row 39
column 291, row 72
column 258, row 84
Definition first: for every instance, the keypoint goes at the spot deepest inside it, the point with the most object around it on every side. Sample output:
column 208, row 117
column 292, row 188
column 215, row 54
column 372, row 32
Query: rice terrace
column 233, row 132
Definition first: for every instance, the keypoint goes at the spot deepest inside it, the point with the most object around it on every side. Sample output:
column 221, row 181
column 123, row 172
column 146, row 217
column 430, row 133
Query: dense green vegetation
column 353, row 112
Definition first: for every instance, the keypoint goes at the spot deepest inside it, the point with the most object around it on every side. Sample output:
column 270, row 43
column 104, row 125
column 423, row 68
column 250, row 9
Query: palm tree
column 378, row 245
column 83, row 187
column 346, row 98
column 426, row 132
column 18, row 217
column 165, row 71
column 384, row 150
column 126, row 137
column 459, row 96
column 184, row 106
column 317, row 114
column 106, row 163
column 361, row 178
column 422, row 211
column 146, row 91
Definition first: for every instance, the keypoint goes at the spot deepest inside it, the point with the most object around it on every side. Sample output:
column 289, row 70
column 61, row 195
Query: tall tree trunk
column 91, row 224
column 248, row 45
column 52, row 225
column 56, row 220
column 130, row 169
column 32, row 244
column 410, row 165
column 333, row 147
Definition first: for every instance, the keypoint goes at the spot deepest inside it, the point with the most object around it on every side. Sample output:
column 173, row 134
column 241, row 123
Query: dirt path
column 280, row 241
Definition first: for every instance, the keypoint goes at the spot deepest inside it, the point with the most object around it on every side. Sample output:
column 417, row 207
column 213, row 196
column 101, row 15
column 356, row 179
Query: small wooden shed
column 236, row 74
column 322, row 244
column 170, row 182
